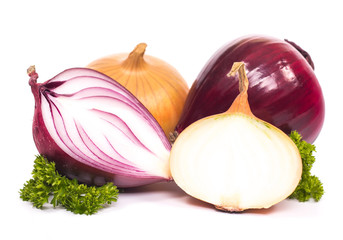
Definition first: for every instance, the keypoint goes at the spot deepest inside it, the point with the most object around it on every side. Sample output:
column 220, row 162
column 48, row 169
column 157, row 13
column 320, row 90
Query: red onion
column 283, row 90
column 96, row 131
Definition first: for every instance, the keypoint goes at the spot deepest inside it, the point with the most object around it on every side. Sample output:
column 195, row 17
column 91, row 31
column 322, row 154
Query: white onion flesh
column 235, row 162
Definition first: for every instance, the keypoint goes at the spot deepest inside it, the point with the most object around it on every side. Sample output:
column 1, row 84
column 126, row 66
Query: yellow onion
column 156, row 84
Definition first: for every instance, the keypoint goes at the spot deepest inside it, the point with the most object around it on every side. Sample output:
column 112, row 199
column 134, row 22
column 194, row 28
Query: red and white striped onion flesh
column 96, row 131
column 234, row 160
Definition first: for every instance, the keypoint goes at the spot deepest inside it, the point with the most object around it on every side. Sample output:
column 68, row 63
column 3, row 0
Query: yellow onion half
column 234, row 160
column 155, row 83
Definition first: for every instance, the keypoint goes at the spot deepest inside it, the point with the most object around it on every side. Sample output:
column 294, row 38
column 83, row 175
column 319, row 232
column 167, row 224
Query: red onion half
column 96, row 131
column 283, row 90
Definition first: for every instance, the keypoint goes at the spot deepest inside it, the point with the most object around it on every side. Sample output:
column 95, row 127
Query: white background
column 64, row 34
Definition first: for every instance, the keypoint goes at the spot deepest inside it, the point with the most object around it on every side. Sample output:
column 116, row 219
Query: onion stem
column 135, row 59
column 241, row 103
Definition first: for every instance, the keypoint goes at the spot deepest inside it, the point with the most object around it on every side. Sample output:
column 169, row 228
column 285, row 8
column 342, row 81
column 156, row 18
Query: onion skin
column 158, row 85
column 69, row 166
column 283, row 90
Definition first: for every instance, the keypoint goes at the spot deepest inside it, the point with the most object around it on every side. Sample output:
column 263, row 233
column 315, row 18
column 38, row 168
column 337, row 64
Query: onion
column 96, row 131
column 158, row 85
column 234, row 160
column 283, row 91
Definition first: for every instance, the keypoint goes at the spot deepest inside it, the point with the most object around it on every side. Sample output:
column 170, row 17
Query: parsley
column 47, row 185
column 309, row 186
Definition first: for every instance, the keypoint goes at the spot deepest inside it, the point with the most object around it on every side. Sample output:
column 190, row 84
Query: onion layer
column 96, row 131
column 283, row 90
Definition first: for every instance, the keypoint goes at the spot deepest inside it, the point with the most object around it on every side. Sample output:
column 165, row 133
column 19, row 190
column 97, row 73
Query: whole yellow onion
column 158, row 85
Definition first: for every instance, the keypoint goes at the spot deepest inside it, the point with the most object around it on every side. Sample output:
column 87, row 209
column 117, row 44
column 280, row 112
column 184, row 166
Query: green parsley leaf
column 309, row 186
column 47, row 184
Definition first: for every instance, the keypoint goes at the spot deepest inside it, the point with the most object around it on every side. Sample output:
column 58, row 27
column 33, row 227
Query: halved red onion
column 96, row 131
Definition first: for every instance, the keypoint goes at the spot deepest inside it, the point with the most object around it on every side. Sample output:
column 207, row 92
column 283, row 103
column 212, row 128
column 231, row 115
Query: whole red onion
column 283, row 91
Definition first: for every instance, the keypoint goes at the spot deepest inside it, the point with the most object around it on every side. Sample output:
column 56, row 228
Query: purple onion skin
column 283, row 89
column 65, row 164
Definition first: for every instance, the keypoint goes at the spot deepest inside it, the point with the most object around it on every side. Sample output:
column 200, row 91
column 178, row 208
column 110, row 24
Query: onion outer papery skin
column 222, row 160
column 283, row 91
column 96, row 131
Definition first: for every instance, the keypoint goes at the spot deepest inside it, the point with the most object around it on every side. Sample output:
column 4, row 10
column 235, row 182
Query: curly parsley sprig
column 48, row 186
column 309, row 186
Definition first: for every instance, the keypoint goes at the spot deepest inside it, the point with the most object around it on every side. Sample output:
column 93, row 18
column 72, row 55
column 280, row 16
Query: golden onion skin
column 158, row 85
